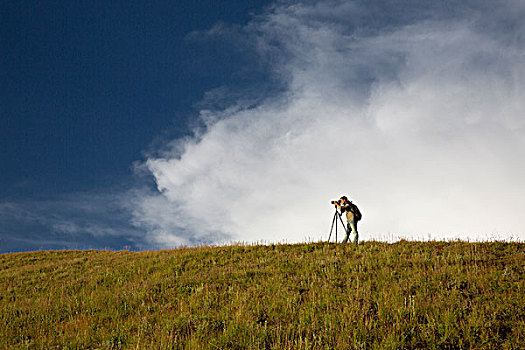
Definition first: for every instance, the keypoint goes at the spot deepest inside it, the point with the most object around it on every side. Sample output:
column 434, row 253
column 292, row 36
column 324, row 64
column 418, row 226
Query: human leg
column 353, row 228
column 348, row 229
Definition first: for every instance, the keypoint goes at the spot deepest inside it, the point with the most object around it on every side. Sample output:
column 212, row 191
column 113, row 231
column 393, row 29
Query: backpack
column 355, row 210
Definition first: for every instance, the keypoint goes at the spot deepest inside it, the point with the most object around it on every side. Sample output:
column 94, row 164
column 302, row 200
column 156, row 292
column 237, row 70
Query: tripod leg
column 336, row 229
column 342, row 223
column 334, row 220
column 347, row 232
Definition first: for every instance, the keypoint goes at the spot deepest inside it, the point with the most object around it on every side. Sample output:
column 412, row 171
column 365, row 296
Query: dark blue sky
column 87, row 86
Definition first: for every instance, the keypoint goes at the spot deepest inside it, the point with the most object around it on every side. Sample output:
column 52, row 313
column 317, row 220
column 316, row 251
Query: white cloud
column 420, row 122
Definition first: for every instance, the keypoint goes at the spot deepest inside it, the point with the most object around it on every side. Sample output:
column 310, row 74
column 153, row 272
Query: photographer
column 353, row 215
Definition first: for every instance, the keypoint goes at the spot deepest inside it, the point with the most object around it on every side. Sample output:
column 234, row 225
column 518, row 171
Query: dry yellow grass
column 408, row 295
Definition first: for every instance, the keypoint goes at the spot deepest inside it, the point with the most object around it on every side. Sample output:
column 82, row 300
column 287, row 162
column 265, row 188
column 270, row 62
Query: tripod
column 334, row 222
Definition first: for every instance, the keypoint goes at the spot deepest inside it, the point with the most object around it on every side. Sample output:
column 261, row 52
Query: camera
column 334, row 202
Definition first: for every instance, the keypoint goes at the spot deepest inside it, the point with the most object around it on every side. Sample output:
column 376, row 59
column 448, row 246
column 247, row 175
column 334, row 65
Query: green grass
column 407, row 295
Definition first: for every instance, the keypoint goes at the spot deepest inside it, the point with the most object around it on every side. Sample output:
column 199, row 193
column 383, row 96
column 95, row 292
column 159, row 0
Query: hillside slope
column 437, row 295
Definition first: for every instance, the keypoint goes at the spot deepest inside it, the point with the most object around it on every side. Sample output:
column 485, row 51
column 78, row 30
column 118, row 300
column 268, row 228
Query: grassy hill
column 431, row 295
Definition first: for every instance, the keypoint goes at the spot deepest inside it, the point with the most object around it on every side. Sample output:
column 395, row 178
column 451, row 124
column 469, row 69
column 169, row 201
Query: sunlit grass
column 433, row 295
